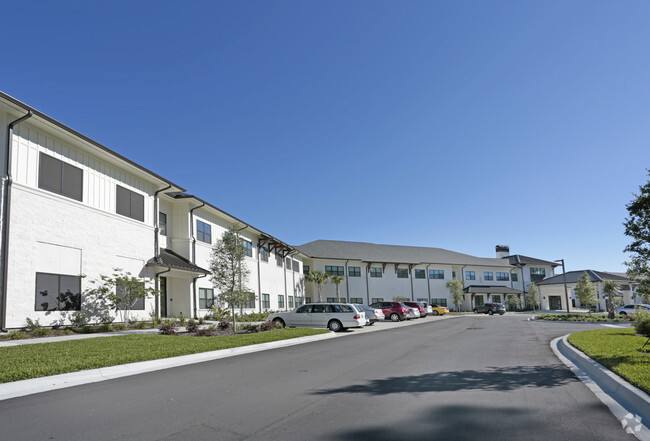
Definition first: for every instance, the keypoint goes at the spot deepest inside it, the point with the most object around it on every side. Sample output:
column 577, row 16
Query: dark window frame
column 402, row 273
column 376, row 272
column 335, row 270
column 354, row 271
column 502, row 277
column 72, row 301
column 437, row 274
column 470, row 275
column 420, row 273
column 129, row 203
column 203, row 234
column 59, row 181
column 162, row 223
column 207, row 300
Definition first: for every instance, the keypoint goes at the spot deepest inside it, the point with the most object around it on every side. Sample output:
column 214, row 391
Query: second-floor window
column 203, row 232
column 402, row 273
column 278, row 260
column 305, row 269
column 129, row 203
column 334, row 270
column 470, row 275
column 515, row 278
column 375, row 272
column 354, row 271
column 60, row 177
column 264, row 254
column 504, row 277
column 436, row 274
column 162, row 223
column 488, row 276
column 420, row 274
column 537, row 274
column 249, row 248
column 296, row 266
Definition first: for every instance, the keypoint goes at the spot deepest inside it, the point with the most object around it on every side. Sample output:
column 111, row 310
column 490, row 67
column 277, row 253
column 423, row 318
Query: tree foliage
column 337, row 280
column 455, row 287
column 400, row 299
column 229, row 272
column 637, row 227
column 610, row 289
column 532, row 296
column 319, row 279
column 586, row 291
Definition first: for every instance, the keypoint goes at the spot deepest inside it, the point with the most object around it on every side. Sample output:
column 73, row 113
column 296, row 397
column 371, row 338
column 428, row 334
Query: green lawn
column 43, row 359
column 619, row 351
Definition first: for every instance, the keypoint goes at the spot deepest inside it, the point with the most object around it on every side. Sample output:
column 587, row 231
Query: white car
column 629, row 309
column 333, row 316
column 413, row 313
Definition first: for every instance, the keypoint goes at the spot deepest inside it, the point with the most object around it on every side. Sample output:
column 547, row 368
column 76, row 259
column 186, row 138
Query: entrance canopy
column 171, row 260
column 490, row 289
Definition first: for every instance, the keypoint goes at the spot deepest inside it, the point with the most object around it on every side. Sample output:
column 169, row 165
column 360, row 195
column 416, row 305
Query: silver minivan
column 333, row 316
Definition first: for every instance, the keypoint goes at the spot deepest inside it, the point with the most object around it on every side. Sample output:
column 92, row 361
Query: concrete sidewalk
column 628, row 403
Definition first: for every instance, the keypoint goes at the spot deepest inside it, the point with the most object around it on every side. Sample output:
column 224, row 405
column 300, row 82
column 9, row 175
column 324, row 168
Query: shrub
column 141, row 325
column 267, row 326
column 78, row 320
column 121, row 326
column 32, row 325
column 87, row 329
column 16, row 335
column 642, row 324
column 182, row 319
column 104, row 327
column 192, row 326
column 167, row 328
column 212, row 328
column 249, row 328
column 205, row 332
column 201, row 320
column 223, row 324
column 40, row 332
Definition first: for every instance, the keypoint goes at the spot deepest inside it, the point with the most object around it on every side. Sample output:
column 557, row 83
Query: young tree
column 610, row 288
column 230, row 274
column 455, row 287
column 337, row 280
column 319, row 279
column 120, row 291
column 532, row 297
column 400, row 299
column 586, row 291
column 637, row 227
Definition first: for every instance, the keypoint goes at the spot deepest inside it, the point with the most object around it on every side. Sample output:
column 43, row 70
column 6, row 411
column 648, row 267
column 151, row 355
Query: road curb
column 628, row 403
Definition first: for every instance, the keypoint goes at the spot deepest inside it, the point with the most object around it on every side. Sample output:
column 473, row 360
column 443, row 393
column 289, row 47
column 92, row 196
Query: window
column 496, row 298
column 281, row 301
column 479, row 300
column 123, row 292
column 287, row 264
column 129, row 203
column 514, row 276
column 423, row 300
column 402, row 273
column 203, row 232
column 250, row 303
column 264, row 254
column 266, row 301
column 439, row 302
column 375, row 272
column 503, row 277
column 162, row 224
column 357, row 300
column 298, row 301
column 437, row 274
column 296, row 266
column 470, row 275
column 249, row 247
column 488, row 276
column 331, row 300
column 453, row 274
column 305, row 269
column 420, row 274
column 334, row 270
column 60, row 177
column 56, row 292
column 278, row 260
column 206, row 298
column 537, row 274
column 307, row 299
column 354, row 271
column 377, row 299
column 291, row 302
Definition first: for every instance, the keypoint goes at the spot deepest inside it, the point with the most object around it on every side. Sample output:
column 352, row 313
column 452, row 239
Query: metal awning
column 171, row 260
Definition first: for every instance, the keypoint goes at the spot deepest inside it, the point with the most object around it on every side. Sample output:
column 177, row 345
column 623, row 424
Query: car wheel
column 501, row 312
column 622, row 313
column 490, row 312
column 394, row 317
column 436, row 313
column 475, row 311
column 335, row 326
column 278, row 322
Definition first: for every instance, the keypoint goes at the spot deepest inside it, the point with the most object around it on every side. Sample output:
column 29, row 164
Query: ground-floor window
column 479, row 301
column 250, row 303
column 281, row 301
column 439, row 302
column 331, row 300
column 206, row 298
column 57, row 292
column 291, row 302
column 496, row 298
column 266, row 301
column 377, row 299
column 423, row 300
column 307, row 299
column 358, row 300
column 298, row 301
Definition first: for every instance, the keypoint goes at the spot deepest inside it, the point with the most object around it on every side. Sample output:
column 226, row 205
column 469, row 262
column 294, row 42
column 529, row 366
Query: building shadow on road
column 490, row 379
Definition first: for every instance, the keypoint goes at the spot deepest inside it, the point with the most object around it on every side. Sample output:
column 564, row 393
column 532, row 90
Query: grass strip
column 44, row 359
column 619, row 350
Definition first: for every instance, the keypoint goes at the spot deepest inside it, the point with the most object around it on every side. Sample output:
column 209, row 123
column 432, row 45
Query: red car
column 420, row 306
column 395, row 311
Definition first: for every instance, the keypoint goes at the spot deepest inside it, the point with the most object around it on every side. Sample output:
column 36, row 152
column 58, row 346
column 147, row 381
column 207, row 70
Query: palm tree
column 609, row 289
column 319, row 279
column 336, row 280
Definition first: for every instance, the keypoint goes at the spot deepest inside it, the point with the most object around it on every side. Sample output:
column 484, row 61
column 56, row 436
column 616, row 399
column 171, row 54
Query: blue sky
column 455, row 124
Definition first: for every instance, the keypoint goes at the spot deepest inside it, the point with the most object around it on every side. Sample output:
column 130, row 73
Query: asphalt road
column 467, row 378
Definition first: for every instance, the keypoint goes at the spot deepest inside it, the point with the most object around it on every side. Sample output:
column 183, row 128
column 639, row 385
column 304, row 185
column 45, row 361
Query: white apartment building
column 375, row 272
column 73, row 210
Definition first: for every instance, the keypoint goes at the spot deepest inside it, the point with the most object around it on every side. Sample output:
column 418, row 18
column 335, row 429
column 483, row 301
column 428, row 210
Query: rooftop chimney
column 502, row 251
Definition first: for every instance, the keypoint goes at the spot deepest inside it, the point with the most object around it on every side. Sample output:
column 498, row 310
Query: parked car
column 491, row 308
column 413, row 313
column 334, row 316
column 372, row 315
column 362, row 313
column 395, row 311
column 420, row 307
column 629, row 309
column 439, row 310
column 429, row 308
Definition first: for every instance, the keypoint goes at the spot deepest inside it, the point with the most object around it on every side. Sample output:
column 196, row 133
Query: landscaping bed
column 583, row 318
column 44, row 359
column 619, row 350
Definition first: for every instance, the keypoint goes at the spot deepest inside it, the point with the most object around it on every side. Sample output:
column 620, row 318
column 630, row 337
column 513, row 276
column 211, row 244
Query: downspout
column 286, row 298
column 6, row 211
column 193, row 299
column 259, row 274
column 428, row 283
column 157, row 288
column 367, row 286
column 411, row 278
column 347, row 285
column 156, row 217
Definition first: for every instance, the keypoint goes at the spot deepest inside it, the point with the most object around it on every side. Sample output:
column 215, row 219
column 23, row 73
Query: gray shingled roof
column 376, row 253
column 490, row 289
column 169, row 259
column 574, row 276
column 525, row 260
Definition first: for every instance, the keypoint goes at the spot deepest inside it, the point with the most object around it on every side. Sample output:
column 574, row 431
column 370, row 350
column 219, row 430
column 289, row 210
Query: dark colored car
column 395, row 311
column 491, row 308
column 420, row 306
